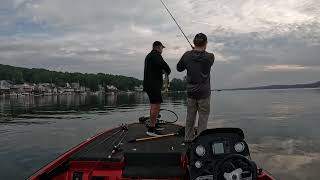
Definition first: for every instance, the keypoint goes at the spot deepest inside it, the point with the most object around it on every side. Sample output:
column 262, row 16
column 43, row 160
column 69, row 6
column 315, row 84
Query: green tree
column 92, row 81
column 178, row 84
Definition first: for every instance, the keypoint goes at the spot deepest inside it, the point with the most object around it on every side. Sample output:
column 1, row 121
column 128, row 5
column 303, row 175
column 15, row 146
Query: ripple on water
column 280, row 126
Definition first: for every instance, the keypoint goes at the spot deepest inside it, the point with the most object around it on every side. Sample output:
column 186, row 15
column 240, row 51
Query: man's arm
column 181, row 66
column 163, row 65
column 212, row 58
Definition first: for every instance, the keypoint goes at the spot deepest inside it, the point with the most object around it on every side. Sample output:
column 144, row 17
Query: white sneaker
column 159, row 128
column 152, row 132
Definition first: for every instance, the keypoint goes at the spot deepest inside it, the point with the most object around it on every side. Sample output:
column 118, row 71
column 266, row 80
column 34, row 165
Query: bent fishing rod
column 176, row 22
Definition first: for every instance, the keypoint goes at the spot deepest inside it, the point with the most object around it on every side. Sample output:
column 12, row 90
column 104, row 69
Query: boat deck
column 101, row 148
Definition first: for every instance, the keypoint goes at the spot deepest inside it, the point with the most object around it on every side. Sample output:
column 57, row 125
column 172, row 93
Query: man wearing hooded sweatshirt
column 198, row 64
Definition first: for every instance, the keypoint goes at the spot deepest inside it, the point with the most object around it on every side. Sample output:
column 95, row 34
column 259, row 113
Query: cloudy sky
column 256, row 42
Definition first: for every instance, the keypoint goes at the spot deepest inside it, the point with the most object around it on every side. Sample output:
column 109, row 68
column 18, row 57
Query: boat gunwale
column 64, row 156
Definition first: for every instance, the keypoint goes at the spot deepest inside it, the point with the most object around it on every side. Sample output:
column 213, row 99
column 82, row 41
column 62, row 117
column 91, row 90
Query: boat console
column 221, row 154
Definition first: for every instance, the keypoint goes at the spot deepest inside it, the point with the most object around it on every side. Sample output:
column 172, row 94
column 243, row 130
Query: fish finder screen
column 218, row 148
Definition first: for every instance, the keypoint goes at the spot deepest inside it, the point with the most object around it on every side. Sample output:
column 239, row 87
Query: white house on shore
column 138, row 88
column 111, row 88
column 5, row 84
column 5, row 87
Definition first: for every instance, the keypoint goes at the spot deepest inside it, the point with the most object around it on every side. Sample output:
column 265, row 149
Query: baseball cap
column 157, row 43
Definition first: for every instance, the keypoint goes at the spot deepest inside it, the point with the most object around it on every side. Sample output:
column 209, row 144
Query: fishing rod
column 116, row 148
column 123, row 128
column 176, row 23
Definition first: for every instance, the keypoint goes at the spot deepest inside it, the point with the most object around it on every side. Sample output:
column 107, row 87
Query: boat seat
column 153, row 165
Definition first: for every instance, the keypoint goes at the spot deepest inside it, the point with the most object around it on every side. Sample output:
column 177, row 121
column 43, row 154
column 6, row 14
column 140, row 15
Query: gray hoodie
column 198, row 65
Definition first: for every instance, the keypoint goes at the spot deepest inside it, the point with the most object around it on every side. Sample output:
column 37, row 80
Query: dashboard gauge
column 200, row 150
column 239, row 147
column 198, row 164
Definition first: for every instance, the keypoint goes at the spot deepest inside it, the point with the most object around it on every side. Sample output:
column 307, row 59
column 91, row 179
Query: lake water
column 281, row 126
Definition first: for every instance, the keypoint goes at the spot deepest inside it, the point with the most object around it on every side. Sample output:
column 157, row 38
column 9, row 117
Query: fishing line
column 182, row 32
column 176, row 23
column 146, row 119
column 174, row 113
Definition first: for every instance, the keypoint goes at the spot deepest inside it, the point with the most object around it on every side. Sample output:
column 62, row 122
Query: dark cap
column 157, row 43
column 200, row 39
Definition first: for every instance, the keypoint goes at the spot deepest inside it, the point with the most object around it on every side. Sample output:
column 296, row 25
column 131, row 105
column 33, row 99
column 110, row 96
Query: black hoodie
column 198, row 65
column 153, row 71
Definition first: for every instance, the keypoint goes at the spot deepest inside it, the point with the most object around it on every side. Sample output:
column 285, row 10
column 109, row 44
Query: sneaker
column 159, row 128
column 152, row 132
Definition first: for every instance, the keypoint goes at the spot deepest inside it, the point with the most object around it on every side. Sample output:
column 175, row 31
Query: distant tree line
column 20, row 75
column 178, row 84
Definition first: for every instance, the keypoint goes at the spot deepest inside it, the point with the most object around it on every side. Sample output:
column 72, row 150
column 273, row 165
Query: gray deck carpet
column 101, row 148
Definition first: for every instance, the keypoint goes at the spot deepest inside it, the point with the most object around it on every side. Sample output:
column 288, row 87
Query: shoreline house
column 39, row 89
column 45, row 89
column 5, row 86
column 111, row 88
column 9, row 88
column 16, row 89
column 67, row 90
column 138, row 88
column 78, row 89
column 27, row 88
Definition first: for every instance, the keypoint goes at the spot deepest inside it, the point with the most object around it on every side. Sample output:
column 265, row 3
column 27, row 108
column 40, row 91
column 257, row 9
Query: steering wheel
column 232, row 168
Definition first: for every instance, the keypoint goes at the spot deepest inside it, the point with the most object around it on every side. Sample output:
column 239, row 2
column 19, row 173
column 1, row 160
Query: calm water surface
column 281, row 126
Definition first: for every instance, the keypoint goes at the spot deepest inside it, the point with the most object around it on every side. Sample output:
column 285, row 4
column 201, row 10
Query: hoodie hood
column 198, row 55
column 198, row 65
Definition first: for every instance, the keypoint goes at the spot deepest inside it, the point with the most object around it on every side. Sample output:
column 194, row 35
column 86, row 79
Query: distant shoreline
column 265, row 89
column 274, row 87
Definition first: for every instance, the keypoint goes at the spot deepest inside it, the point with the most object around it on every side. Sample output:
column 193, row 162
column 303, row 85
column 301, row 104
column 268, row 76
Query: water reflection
column 280, row 126
column 36, row 107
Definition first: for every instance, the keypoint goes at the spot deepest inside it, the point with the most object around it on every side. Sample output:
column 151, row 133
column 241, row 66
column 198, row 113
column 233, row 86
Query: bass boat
column 127, row 153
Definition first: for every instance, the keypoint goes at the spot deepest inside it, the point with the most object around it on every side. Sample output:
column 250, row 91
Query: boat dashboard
column 221, row 154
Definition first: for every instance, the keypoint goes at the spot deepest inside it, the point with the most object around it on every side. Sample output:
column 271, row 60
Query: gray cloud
column 255, row 42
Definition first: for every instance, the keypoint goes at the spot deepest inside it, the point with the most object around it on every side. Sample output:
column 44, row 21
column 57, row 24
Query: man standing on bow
column 198, row 64
column 154, row 67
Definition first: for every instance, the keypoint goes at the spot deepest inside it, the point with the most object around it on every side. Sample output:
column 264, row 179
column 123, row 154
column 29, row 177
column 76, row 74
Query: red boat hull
column 97, row 170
